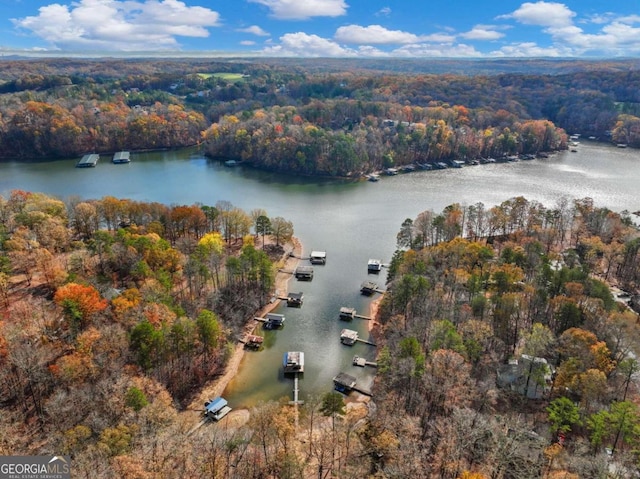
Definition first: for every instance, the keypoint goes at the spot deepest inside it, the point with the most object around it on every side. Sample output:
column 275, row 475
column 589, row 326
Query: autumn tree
column 80, row 303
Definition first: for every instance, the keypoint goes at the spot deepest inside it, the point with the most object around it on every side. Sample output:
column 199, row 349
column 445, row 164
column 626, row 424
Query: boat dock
column 362, row 362
column 252, row 341
column 345, row 383
column 295, row 299
column 374, row 266
column 349, row 337
column 271, row 320
column 304, row 273
column 88, row 161
column 318, row 257
column 367, row 288
column 348, row 314
column 121, row 157
column 293, row 363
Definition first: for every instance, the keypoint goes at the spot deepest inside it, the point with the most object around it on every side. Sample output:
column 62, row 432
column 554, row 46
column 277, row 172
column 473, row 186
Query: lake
column 351, row 220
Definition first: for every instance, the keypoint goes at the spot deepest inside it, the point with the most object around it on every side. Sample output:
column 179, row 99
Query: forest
column 503, row 352
column 342, row 118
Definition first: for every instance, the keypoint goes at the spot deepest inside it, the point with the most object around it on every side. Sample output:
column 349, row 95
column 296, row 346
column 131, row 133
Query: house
column 216, row 409
column 318, row 257
column 529, row 376
column 293, row 362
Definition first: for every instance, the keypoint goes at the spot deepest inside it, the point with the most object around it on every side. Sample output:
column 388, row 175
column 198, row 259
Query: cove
column 351, row 220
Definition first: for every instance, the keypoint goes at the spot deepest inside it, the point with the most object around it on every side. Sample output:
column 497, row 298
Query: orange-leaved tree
column 79, row 303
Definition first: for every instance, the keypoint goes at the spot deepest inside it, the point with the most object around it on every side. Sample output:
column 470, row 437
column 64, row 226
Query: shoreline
column 215, row 388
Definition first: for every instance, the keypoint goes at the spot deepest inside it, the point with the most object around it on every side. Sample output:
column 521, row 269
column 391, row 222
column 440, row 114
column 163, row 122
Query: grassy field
column 224, row 76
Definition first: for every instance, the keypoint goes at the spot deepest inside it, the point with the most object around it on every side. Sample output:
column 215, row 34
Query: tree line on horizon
column 69, row 108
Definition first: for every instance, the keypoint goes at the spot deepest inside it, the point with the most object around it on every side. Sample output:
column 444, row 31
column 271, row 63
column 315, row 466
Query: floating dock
column 318, row 257
column 345, row 383
column 121, row 157
column 88, row 161
column 253, row 341
column 362, row 362
column 295, row 299
column 347, row 314
column 293, row 362
column 374, row 266
column 368, row 288
column 304, row 273
column 349, row 337
column 216, row 409
column 272, row 320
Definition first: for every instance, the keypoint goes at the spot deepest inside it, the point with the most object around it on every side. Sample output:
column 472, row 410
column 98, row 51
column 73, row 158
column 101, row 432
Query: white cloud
column 369, row 51
column 247, row 43
column 301, row 44
column 549, row 14
column 630, row 19
column 128, row 25
column 480, row 32
column 617, row 36
column 304, row 9
column 254, row 30
column 436, row 51
column 373, row 35
column 529, row 49
column 383, row 12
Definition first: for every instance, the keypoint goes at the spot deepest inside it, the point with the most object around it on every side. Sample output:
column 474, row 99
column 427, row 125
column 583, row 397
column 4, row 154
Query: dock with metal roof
column 88, row 161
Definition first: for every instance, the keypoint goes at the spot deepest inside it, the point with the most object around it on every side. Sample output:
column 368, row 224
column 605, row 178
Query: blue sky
column 325, row 28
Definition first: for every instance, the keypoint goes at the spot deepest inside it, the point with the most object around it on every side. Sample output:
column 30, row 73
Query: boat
column 621, row 145
column 373, row 177
column 121, row 157
column 440, row 165
column 231, row 163
column 391, row 171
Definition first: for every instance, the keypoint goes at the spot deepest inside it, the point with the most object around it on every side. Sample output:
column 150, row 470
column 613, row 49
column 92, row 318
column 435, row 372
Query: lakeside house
column 529, row 376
